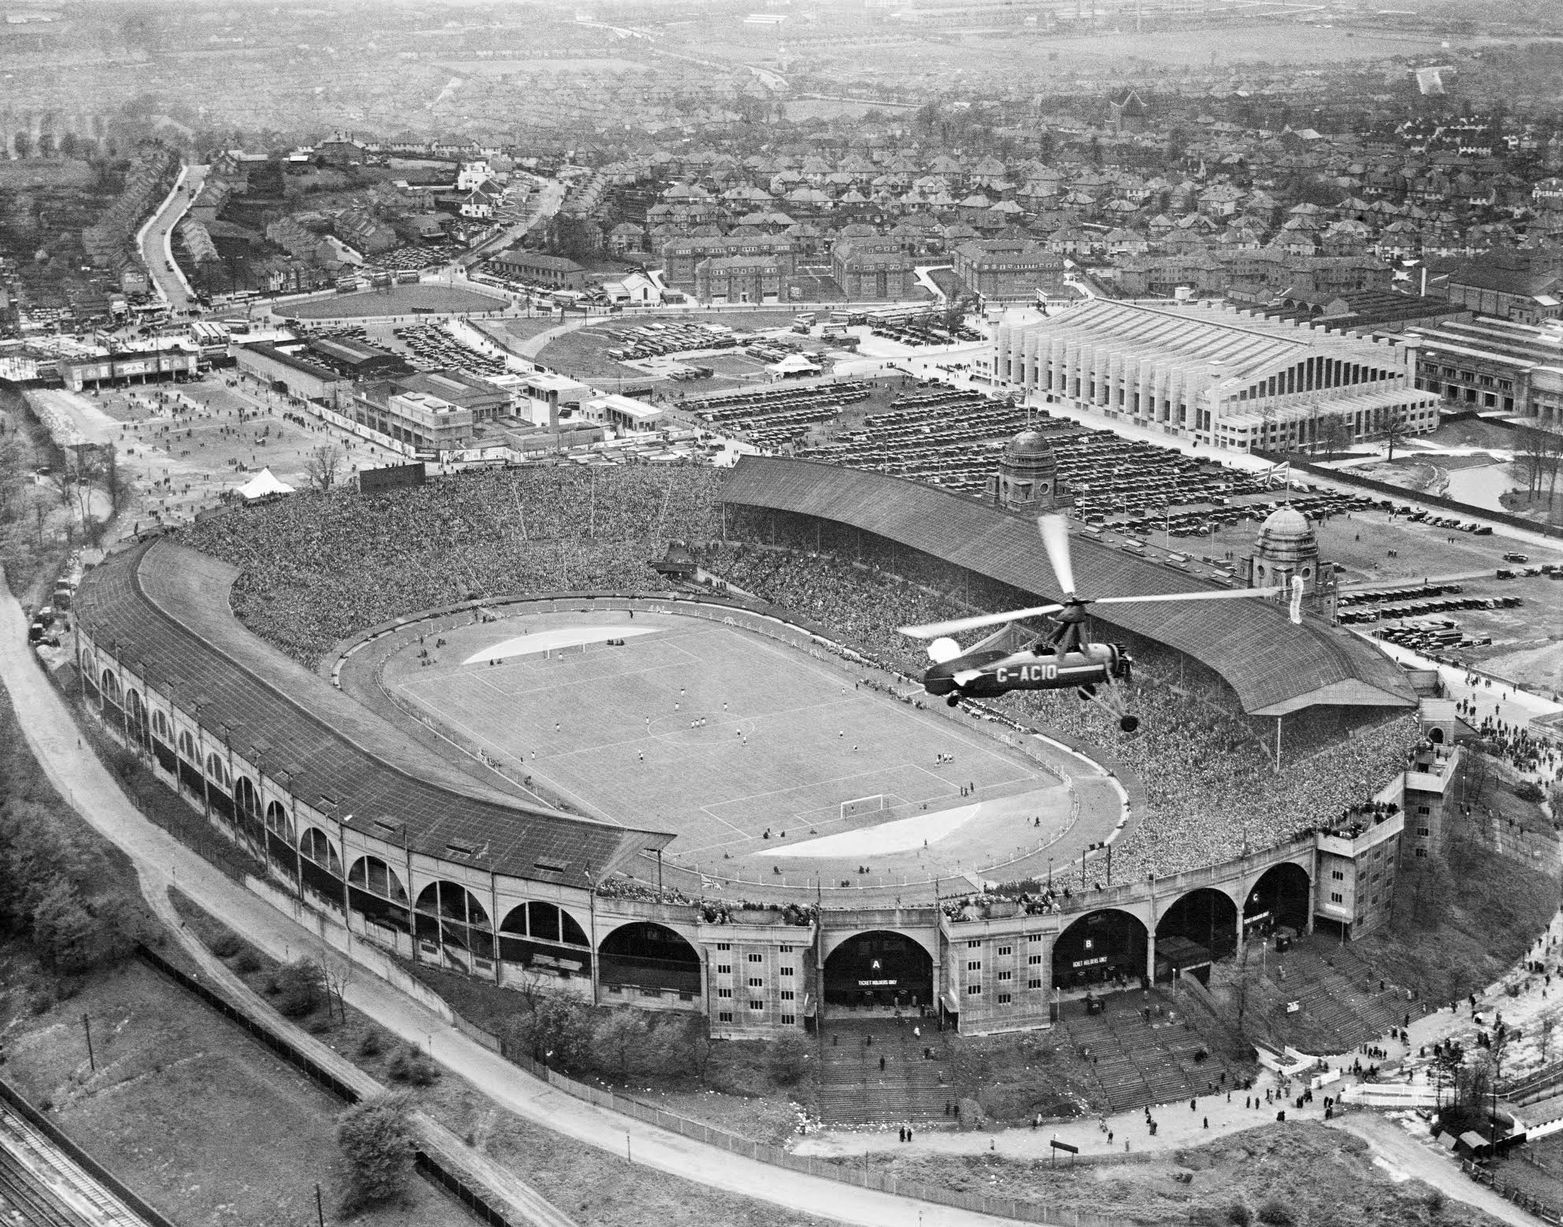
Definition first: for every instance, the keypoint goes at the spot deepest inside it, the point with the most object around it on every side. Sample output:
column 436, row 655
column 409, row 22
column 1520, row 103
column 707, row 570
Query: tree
column 300, row 985
column 113, row 480
column 64, row 931
column 1333, row 437
column 376, row 1140
column 337, row 973
column 1395, row 431
column 552, row 1030
column 619, row 1034
column 322, row 465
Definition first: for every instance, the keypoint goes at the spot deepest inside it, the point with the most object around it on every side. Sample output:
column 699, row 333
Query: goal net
column 863, row 805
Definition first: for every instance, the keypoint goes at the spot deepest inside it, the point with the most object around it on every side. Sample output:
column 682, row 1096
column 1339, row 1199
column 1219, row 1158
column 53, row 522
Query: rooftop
column 1274, row 666
column 164, row 609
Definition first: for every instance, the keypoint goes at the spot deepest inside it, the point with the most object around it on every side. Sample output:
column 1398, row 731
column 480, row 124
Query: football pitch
column 742, row 746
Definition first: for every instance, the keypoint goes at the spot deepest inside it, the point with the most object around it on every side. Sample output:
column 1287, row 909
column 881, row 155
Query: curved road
column 162, row 861
column 156, row 240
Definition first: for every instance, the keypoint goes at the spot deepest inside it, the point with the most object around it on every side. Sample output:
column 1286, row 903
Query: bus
column 804, row 321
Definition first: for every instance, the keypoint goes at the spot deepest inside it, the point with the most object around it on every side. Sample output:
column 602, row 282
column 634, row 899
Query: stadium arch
column 646, row 954
column 879, row 968
column 1099, row 947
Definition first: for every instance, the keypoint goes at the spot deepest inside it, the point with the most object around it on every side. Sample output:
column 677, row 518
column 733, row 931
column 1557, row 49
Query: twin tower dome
column 1027, row 482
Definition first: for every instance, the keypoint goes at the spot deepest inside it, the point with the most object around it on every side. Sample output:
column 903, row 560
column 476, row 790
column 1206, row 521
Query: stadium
column 471, row 722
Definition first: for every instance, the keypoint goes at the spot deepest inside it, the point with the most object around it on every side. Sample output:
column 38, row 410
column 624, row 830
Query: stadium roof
column 163, row 610
column 1274, row 666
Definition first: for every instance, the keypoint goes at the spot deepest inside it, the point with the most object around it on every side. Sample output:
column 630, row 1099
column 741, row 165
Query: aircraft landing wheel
column 952, row 700
column 1129, row 723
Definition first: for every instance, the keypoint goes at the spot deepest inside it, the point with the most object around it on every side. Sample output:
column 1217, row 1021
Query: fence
column 80, row 1157
column 426, row 1164
column 824, row 1169
column 1541, row 1209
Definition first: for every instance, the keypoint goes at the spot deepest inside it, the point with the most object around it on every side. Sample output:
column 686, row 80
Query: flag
column 1278, row 474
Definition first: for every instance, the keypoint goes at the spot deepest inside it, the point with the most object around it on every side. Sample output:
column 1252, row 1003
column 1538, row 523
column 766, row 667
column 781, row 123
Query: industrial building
column 1212, row 374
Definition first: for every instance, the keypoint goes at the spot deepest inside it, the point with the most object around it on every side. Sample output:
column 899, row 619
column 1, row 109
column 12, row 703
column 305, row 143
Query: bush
column 376, row 1140
column 1529, row 790
column 1239, row 1215
column 247, row 964
column 1276, row 1213
column 299, row 988
column 370, row 1045
column 227, row 945
column 411, row 1067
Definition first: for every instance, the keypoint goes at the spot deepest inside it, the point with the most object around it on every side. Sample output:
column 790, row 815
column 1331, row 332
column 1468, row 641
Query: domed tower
column 1286, row 547
column 1027, row 479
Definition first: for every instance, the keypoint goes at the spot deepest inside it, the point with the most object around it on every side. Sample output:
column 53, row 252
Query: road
column 156, row 240
column 161, row 861
column 548, row 201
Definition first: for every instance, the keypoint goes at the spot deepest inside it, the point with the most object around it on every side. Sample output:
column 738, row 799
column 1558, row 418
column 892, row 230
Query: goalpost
column 864, row 805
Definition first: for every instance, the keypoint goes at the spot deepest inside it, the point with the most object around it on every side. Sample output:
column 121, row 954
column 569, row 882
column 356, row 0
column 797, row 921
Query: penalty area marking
column 902, row 835
column 556, row 637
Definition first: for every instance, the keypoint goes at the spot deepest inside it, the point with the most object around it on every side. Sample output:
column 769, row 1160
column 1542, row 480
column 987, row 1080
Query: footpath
column 162, row 861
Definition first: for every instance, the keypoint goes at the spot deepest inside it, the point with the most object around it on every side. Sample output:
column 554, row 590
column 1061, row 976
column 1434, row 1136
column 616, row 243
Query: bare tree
column 115, row 486
column 322, row 466
column 338, row 970
column 1396, row 431
column 1332, row 437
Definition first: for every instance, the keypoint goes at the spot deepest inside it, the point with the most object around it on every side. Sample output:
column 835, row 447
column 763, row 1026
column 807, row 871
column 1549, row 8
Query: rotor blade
column 1223, row 595
column 937, row 630
column 1055, row 539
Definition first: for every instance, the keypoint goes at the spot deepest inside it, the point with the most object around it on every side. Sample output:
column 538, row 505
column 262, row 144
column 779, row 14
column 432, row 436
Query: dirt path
column 1403, row 1156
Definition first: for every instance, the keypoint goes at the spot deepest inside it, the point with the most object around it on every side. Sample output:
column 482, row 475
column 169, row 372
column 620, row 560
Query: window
column 785, row 949
column 1338, row 874
column 756, row 982
column 1034, row 960
column 724, row 992
column 1423, row 809
column 1006, row 949
column 1336, row 896
column 788, row 995
column 1004, row 998
column 974, row 945
column 724, row 945
column 1033, row 984
column 757, row 958
column 1421, row 851
column 1035, row 937
column 974, row 990
column 787, row 971
column 974, row 965
column 1424, row 832
column 756, row 1007
column 724, row 1016
column 789, row 1020
column 724, row 969
column 1005, row 976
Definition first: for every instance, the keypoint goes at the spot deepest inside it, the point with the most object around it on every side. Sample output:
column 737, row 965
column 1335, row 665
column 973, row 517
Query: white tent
column 263, row 485
column 793, row 364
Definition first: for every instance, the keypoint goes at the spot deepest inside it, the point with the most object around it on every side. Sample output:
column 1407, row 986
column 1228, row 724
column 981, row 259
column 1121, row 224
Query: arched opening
column 113, row 711
column 190, row 777
column 452, row 923
column 1281, row 899
column 377, row 894
column 1101, row 947
column 543, row 937
column 649, row 956
column 879, row 969
column 246, row 804
column 279, row 840
column 1195, row 931
column 110, row 685
column 163, row 742
column 218, row 782
column 1436, row 736
column 321, row 867
column 135, row 717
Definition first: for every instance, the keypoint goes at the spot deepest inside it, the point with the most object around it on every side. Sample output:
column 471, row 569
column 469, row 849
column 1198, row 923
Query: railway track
column 40, row 1186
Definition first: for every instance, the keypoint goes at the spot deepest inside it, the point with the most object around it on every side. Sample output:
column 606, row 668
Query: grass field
column 781, row 741
column 201, row 1121
column 397, row 300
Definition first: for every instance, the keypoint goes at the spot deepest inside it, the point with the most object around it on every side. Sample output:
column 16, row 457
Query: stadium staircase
column 1136, row 1062
column 1337, row 992
column 855, row 1091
